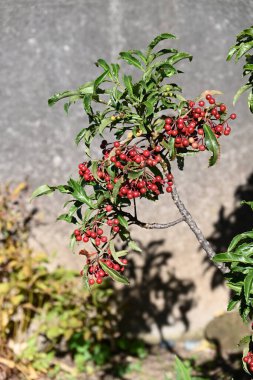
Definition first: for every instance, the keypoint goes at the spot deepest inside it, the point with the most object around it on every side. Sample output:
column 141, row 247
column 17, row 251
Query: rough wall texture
column 49, row 46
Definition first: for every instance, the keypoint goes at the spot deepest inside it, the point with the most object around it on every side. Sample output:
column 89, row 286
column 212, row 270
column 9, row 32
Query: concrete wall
column 50, row 46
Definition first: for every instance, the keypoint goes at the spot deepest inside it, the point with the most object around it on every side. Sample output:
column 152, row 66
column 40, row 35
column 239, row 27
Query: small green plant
column 153, row 126
column 45, row 313
column 183, row 372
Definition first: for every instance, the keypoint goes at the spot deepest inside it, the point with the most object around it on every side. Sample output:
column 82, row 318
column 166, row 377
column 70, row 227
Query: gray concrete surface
column 50, row 46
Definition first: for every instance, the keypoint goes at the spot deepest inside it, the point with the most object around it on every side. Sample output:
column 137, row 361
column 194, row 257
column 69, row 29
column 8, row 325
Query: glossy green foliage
column 243, row 48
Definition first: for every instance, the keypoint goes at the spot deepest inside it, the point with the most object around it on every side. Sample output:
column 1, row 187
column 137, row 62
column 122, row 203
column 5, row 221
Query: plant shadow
column 157, row 299
column 228, row 225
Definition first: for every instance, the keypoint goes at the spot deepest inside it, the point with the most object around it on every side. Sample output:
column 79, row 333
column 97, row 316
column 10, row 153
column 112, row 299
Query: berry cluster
column 141, row 169
column 248, row 359
column 187, row 130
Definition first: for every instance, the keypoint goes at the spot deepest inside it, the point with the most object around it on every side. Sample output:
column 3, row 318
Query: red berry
column 233, row 116
column 85, row 239
column 104, row 239
column 116, row 144
column 76, row 232
column 99, row 280
column 116, row 267
column 146, row 153
column 208, row 97
column 202, row 147
column 212, row 101
column 201, row 103
column 169, row 189
column 108, row 208
column 100, row 231
column 78, row 238
column 157, row 149
column 223, row 108
column 116, row 228
column 168, row 120
column 91, row 281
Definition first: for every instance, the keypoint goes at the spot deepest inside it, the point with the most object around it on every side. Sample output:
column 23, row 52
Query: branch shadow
column 228, row 225
column 157, row 299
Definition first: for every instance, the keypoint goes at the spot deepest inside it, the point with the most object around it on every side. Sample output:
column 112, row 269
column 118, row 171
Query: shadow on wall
column 228, row 226
column 157, row 296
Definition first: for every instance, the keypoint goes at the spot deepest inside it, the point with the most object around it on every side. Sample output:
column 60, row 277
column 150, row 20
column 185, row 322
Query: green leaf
column 66, row 94
column 178, row 57
column 134, row 175
column 241, row 91
column 243, row 48
column 250, row 101
column 123, row 221
column 114, row 274
column 80, row 136
column 100, row 80
column 131, row 60
column 182, row 373
column 231, row 257
column 94, row 169
column 211, row 144
column 245, row 340
column 170, row 146
column 87, row 103
column 116, row 188
column 42, row 190
column 250, row 203
column 104, row 123
column 232, row 304
column 118, row 254
column 102, row 63
column 79, row 193
column 248, row 281
column 239, row 238
column 115, row 70
column 139, row 54
column 165, row 51
column 231, row 52
column 161, row 37
column 128, row 83
column 133, row 245
column 67, row 218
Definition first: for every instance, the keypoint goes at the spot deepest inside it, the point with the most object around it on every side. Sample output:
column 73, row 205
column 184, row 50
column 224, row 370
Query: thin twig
column 196, row 230
column 150, row 226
